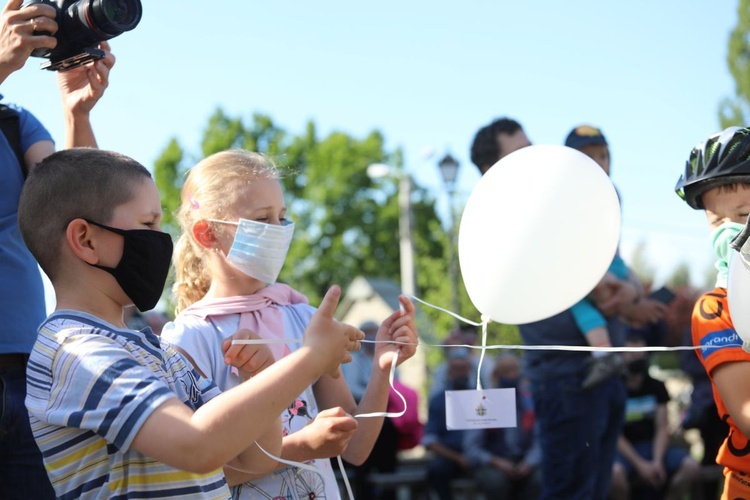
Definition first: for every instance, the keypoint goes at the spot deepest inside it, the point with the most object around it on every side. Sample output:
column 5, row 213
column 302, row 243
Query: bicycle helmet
column 723, row 158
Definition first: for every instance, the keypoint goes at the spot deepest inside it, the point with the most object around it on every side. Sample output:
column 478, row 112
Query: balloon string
column 465, row 320
column 485, row 321
column 345, row 477
column 523, row 347
column 403, row 399
column 375, row 414
column 308, row 467
column 483, row 347
column 266, row 341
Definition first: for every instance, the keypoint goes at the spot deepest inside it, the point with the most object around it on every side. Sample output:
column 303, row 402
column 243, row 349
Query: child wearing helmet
column 717, row 180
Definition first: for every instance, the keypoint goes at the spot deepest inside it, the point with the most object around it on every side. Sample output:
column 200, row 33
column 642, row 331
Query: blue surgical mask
column 259, row 249
column 721, row 237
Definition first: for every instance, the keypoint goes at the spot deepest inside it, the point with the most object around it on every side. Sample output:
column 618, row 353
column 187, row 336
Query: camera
column 82, row 24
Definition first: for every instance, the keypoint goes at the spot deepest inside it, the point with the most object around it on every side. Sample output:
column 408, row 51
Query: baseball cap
column 585, row 135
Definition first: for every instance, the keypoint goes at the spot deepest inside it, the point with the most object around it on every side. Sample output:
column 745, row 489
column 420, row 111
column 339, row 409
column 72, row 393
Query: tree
column 641, row 266
column 680, row 276
column 167, row 168
column 735, row 110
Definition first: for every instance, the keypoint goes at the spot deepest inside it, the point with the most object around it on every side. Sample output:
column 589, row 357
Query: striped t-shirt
column 91, row 386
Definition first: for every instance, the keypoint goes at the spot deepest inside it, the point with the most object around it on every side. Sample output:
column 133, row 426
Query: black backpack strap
column 11, row 129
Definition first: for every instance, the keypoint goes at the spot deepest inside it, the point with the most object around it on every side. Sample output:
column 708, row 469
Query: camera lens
column 114, row 16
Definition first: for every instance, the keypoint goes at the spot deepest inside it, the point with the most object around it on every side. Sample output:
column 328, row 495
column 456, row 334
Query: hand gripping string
column 311, row 467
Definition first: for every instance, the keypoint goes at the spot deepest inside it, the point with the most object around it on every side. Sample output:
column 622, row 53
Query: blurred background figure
column 448, row 460
column 643, row 450
column 505, row 462
column 466, row 335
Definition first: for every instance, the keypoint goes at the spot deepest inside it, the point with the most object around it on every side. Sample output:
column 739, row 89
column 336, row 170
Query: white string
column 375, row 414
column 344, row 477
column 266, row 341
column 470, row 322
column 484, row 350
column 301, row 465
column 524, row 347
column 390, row 381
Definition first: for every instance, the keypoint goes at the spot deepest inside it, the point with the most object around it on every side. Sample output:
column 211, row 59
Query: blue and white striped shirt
column 91, row 386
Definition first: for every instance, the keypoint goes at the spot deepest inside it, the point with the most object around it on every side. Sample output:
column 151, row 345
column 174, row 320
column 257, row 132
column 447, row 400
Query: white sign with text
column 485, row 409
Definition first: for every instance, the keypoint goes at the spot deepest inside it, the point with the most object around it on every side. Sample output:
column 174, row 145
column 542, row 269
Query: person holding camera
column 23, row 143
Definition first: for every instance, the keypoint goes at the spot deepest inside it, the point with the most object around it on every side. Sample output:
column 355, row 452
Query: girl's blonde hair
column 210, row 192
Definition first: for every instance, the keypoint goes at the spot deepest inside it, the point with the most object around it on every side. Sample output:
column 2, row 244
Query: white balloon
column 537, row 234
column 738, row 296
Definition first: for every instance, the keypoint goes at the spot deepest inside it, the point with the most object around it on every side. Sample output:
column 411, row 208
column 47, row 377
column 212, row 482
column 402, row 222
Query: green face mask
column 720, row 239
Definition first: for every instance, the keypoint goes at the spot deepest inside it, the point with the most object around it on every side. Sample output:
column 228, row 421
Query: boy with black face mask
column 643, row 448
column 117, row 412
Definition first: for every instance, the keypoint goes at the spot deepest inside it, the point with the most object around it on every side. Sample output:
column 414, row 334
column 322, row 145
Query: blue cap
column 585, row 135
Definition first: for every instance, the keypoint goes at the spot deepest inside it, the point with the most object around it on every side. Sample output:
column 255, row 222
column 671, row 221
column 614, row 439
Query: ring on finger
column 33, row 23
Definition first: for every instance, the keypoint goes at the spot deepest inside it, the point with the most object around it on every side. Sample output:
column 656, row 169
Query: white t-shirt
column 202, row 340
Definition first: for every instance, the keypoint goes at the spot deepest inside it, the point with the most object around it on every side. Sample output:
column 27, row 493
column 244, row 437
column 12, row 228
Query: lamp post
column 415, row 371
column 449, row 170
column 405, row 224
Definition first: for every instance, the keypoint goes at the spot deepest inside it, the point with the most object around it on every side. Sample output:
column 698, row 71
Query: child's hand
column 398, row 327
column 329, row 433
column 249, row 359
column 330, row 340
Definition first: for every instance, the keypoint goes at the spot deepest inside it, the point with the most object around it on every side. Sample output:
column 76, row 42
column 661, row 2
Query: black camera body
column 82, row 24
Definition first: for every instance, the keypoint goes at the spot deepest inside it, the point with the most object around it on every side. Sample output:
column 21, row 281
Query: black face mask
column 143, row 268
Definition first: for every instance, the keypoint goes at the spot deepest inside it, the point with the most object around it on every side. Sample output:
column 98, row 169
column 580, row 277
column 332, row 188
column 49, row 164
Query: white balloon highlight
column 537, row 234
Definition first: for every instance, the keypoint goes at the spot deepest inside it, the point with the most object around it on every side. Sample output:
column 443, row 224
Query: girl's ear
column 80, row 238
column 204, row 235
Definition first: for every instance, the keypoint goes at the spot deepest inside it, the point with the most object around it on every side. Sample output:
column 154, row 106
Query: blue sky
column 428, row 74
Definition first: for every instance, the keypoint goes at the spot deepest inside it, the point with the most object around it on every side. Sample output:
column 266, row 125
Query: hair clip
column 193, row 202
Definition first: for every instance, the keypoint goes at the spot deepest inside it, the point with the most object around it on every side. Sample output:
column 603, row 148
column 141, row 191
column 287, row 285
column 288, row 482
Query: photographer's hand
column 17, row 38
column 81, row 88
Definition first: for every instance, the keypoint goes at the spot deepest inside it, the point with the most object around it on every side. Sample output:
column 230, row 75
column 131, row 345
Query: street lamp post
column 405, row 224
column 449, row 170
column 415, row 371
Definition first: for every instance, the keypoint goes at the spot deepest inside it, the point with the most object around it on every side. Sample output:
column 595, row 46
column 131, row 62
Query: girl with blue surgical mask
column 233, row 246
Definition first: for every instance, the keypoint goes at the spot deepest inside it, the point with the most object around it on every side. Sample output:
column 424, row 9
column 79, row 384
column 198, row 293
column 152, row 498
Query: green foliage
column 169, row 182
column 680, row 276
column 735, row 110
column 640, row 265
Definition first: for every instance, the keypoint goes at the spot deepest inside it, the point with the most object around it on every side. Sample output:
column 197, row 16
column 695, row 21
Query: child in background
column 591, row 142
column 717, row 180
column 115, row 412
column 586, row 313
column 234, row 242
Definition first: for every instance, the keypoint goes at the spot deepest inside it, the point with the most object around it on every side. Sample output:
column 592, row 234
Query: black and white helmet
column 723, row 158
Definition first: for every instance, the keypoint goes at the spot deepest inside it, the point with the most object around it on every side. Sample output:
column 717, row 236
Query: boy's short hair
column 485, row 150
column 585, row 135
column 75, row 183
